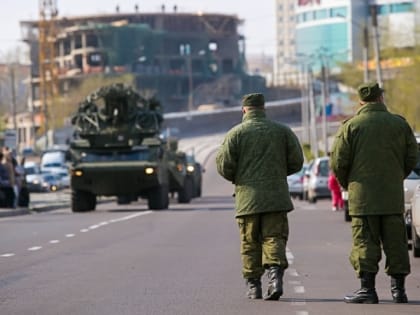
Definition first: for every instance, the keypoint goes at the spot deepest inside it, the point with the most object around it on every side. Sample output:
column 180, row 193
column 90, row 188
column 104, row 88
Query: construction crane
column 48, row 74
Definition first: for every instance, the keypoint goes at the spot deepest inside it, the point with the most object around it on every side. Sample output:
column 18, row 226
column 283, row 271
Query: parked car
column 43, row 182
column 317, row 179
column 410, row 184
column 295, row 182
column 415, row 222
column 412, row 205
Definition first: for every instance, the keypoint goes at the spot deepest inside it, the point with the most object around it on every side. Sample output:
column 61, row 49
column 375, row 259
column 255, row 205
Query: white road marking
column 92, row 227
column 298, row 303
column 292, row 272
column 7, row 255
column 302, row 313
column 299, row 289
column 34, row 248
column 130, row 217
column 294, row 282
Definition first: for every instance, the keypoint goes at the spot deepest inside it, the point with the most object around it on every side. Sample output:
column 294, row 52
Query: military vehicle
column 116, row 151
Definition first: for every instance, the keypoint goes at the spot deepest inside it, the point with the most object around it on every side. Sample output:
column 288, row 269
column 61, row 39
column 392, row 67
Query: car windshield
column 415, row 174
column 31, row 170
column 324, row 168
column 53, row 164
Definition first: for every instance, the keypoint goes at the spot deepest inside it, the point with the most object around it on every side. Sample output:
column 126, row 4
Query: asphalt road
column 185, row 260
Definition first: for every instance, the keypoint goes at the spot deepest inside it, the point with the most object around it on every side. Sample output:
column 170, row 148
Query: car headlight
column 149, row 170
column 77, row 173
column 190, row 168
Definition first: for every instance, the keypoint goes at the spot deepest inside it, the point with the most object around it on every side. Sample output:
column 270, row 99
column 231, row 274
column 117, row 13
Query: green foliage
column 350, row 75
column 402, row 93
column 307, row 152
column 401, row 84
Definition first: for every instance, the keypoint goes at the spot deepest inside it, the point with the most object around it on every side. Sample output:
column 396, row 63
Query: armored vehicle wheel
column 82, row 201
column 158, row 198
column 186, row 193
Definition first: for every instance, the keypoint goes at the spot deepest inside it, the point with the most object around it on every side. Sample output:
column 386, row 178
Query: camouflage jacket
column 372, row 154
column 256, row 156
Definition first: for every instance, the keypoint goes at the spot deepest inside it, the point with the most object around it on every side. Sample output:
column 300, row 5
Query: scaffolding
column 48, row 85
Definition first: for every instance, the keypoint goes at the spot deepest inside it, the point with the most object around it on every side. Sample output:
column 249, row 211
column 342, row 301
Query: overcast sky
column 258, row 16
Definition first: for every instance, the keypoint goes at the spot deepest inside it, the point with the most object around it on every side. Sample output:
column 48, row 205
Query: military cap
column 369, row 91
column 253, row 100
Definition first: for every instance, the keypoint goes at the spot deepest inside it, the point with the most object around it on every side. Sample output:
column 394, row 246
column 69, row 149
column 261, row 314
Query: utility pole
column 324, row 100
column 190, row 81
column 374, row 14
column 314, row 138
column 13, row 90
column 365, row 54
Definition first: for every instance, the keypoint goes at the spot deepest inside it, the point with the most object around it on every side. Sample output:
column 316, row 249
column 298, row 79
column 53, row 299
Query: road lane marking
column 8, row 255
column 34, row 248
column 297, row 285
column 92, row 227
column 299, row 289
column 129, row 217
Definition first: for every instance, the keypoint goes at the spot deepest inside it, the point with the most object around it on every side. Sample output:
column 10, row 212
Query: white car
column 415, row 223
column 412, row 205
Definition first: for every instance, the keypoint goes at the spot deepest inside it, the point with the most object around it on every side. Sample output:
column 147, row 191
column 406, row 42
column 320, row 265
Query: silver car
column 295, row 182
column 316, row 178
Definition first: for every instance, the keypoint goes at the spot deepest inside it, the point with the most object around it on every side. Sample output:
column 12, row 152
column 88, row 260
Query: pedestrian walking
column 372, row 154
column 335, row 188
column 256, row 156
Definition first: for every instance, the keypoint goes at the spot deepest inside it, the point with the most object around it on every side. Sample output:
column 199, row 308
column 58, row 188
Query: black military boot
column 367, row 293
column 254, row 289
column 275, row 283
column 398, row 289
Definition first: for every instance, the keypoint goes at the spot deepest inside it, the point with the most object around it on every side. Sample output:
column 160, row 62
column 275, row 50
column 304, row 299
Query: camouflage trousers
column 263, row 242
column 373, row 233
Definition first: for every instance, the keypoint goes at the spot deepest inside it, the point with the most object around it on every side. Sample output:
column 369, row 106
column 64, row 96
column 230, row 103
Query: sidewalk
column 40, row 202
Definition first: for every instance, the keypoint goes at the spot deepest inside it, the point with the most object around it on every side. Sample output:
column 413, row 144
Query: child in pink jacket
column 334, row 186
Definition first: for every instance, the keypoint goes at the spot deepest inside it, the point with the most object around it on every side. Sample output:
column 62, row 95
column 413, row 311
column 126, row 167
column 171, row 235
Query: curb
column 32, row 209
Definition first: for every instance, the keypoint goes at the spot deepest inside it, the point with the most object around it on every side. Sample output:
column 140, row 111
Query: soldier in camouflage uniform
column 256, row 156
column 372, row 154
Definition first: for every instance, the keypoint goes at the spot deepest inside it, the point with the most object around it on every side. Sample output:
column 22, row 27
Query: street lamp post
column 373, row 11
column 185, row 50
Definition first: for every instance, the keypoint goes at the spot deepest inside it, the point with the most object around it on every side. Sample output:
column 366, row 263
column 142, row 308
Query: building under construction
column 185, row 59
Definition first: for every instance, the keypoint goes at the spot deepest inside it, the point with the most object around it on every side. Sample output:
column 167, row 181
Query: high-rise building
column 330, row 32
column 285, row 70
